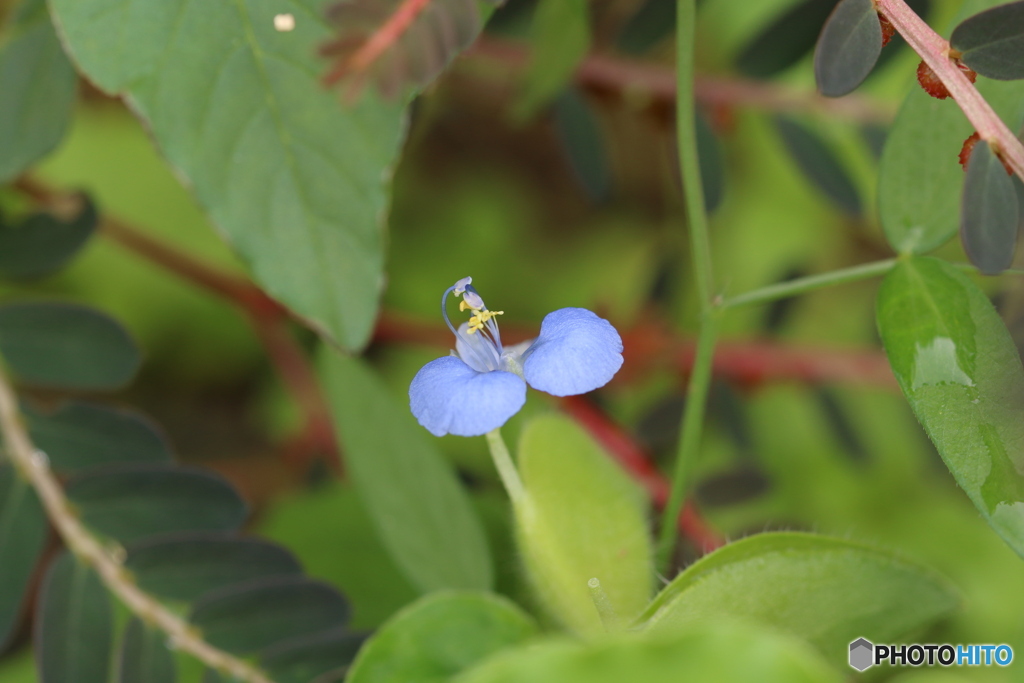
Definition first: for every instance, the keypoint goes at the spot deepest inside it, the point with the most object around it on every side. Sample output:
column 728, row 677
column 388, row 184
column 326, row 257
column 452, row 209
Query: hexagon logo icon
column 861, row 654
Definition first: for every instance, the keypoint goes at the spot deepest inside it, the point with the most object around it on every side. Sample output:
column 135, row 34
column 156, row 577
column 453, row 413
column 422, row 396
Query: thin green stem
column 506, row 468
column 689, row 439
column 810, row 283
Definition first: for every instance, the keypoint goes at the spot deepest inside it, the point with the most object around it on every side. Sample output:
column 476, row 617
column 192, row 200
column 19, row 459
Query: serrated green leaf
column 295, row 180
column 560, row 38
column 825, row 590
column 988, row 214
column 186, row 566
column 23, row 532
column 261, row 614
column 308, row 659
column 74, row 625
column 439, row 636
column 144, row 657
column 38, row 86
column 848, row 47
column 80, row 435
column 66, row 346
column 131, row 502
column 961, row 374
column 43, row 243
column 420, row 510
column 992, row 42
column 583, row 519
column 720, row 652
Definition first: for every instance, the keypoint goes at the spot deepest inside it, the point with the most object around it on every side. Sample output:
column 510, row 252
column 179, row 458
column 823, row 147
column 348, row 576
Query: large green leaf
column 74, row 625
column 960, row 371
column 144, row 657
column 23, row 530
column 296, row 181
column 825, row 590
column 422, row 513
column 38, row 86
column 582, row 519
column 439, row 636
column 719, row 652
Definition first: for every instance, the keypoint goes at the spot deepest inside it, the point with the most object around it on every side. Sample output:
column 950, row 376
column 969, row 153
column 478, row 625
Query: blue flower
column 482, row 384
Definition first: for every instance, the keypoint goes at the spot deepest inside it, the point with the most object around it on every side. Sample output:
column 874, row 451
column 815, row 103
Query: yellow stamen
column 479, row 318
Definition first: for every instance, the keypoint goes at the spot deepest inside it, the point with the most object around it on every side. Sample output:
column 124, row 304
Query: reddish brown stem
column 378, row 42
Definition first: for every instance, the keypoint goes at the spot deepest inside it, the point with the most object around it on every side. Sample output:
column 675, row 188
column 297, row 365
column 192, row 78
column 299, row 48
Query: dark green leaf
column 819, row 165
column 652, row 23
column 422, row 513
column 81, row 435
column 44, row 243
column 786, row 40
column 38, row 86
column 848, row 47
column 825, row 590
column 23, row 530
column 959, row 369
column 992, row 42
column 718, row 652
column 305, row 659
column 712, row 167
column 561, row 38
column 296, row 181
column 439, row 636
column 184, row 567
column 144, row 657
column 261, row 614
column 584, row 145
column 66, row 346
column 988, row 214
column 130, row 502
column 74, row 625
column 594, row 528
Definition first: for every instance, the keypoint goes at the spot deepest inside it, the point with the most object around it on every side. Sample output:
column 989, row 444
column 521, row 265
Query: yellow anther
column 479, row 318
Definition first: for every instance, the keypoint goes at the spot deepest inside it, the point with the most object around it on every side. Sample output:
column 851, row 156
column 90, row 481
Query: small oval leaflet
column 144, row 657
column 988, row 214
column 785, row 41
column 848, row 47
column 43, row 243
column 131, row 502
column 819, row 164
column 23, row 532
column 992, row 42
column 307, row 659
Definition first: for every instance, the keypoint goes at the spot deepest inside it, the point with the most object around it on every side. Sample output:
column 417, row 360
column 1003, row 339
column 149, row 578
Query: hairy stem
column 90, row 550
column 506, row 468
column 810, row 283
column 935, row 51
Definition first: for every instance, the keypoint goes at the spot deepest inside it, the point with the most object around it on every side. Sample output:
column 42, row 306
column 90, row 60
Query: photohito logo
column 865, row 654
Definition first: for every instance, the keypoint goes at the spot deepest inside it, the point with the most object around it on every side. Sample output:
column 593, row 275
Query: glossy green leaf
column 130, row 502
column 960, row 371
column 719, row 652
column 422, row 513
column 80, row 435
column 992, row 42
column 583, row 519
column 296, row 181
column 38, row 86
column 44, row 243
column 581, row 137
column 561, row 38
column 826, row 590
column 144, row 657
column 308, row 659
column 23, row 532
column 66, row 346
column 848, row 47
column 74, row 625
column 186, row 566
column 988, row 213
column 261, row 614
column 819, row 164
column 786, row 40
column 440, row 635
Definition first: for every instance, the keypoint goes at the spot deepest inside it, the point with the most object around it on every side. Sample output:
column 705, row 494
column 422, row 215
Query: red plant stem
column 936, row 53
column 379, row 41
column 635, row 461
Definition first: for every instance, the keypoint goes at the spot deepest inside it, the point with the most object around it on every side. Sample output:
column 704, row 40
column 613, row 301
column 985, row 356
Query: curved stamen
column 444, row 307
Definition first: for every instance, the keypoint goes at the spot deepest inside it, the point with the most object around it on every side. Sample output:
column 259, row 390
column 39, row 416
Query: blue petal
column 576, row 352
column 449, row 397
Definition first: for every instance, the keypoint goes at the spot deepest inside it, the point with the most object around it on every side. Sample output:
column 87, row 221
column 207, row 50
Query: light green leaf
column 720, row 652
column 295, row 180
column 38, row 86
column 825, row 590
column 439, row 636
column 583, row 519
column 421, row 512
column 960, row 371
column 561, row 38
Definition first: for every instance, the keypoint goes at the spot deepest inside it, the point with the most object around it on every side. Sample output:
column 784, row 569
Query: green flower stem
column 506, row 468
column 803, row 285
